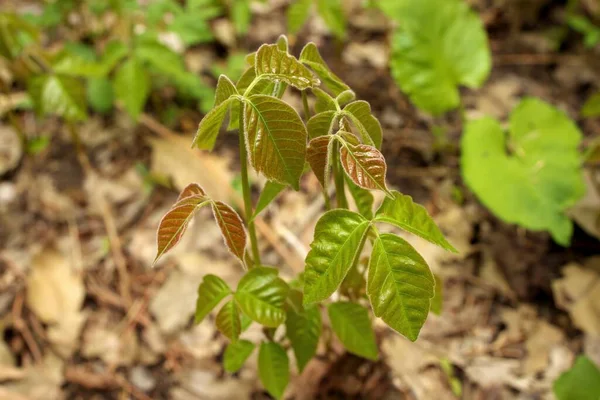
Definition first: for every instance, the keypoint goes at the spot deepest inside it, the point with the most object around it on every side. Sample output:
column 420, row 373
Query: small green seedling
column 340, row 143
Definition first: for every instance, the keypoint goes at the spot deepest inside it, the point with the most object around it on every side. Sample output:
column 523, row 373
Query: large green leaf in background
column 303, row 328
column 437, row 46
column 58, row 95
column 132, row 86
column 261, row 295
column 273, row 368
column 351, row 324
column 339, row 238
column 538, row 179
column 581, row 382
column 400, row 285
column 297, row 14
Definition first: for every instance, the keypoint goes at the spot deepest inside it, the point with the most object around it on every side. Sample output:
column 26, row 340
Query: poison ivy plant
column 581, row 382
column 437, row 46
column 532, row 175
column 331, row 11
column 348, row 255
column 591, row 108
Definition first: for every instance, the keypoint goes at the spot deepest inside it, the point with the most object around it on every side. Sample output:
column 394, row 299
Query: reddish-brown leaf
column 173, row 224
column 365, row 165
column 317, row 155
column 232, row 228
column 193, row 189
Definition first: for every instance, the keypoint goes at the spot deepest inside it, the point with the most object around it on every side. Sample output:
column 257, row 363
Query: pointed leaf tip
column 365, row 165
column 232, row 228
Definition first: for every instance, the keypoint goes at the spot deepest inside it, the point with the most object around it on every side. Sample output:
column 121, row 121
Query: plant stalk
column 246, row 192
column 305, row 104
column 338, row 175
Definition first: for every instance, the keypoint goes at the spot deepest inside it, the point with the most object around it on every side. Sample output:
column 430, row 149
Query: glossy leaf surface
column 404, row 213
column 351, row 324
column 210, row 293
column 261, row 295
column 339, row 239
column 365, row 165
column 400, row 285
column 273, row 368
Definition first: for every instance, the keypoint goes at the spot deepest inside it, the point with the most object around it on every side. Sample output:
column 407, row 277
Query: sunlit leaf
column 339, row 238
column 304, row 329
column 437, row 46
column 232, row 228
column 400, row 285
column 365, row 165
column 318, row 156
column 225, row 89
column 581, row 382
column 236, row 355
column 58, row 95
column 275, row 64
column 310, row 56
column 261, row 295
column 210, row 293
column 268, row 194
column 297, row 14
column 209, row 127
column 276, row 139
column 323, row 101
column 228, row 321
column 173, row 224
column 333, row 14
column 132, row 86
column 404, row 213
column 321, row 124
column 352, row 325
column 540, row 178
column 362, row 197
column 193, row 189
column 368, row 126
column 273, row 368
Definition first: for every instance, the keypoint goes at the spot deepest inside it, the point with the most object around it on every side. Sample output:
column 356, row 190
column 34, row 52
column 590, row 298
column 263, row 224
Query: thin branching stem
column 338, row 176
column 248, row 210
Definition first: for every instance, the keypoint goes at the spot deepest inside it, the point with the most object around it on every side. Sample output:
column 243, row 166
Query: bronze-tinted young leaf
column 211, row 125
column 339, row 238
column 368, row 126
column 276, row 139
column 193, row 189
column 228, row 321
column 323, row 101
column 321, row 124
column 210, row 293
column 264, row 86
column 400, row 210
column 400, row 285
column 225, row 89
column 362, row 197
column 232, row 228
column 311, row 57
column 365, row 165
column 317, row 155
column 279, row 65
column 173, row 224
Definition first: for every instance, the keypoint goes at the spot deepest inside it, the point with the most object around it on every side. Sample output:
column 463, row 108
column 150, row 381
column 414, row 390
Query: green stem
column 305, row 104
column 338, row 175
column 246, row 192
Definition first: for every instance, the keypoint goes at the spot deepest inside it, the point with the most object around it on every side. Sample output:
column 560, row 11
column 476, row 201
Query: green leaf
column 310, row 56
column 318, row 155
column 346, row 97
column 437, row 46
column 591, row 108
column 323, row 101
column 275, row 64
column 209, row 127
column 74, row 65
column 276, row 139
column 400, row 285
column 540, row 178
column 241, row 15
column 174, row 223
column 351, row 324
column 58, row 95
column 283, row 44
column 581, row 382
column 232, row 228
column 368, row 126
column 437, row 301
column 12, row 29
column 236, row 355
column 210, row 293
column 100, row 94
column 339, row 238
column 273, row 368
column 114, row 52
column 268, row 194
column 228, row 321
column 404, row 213
column 297, row 14
column 261, row 295
column 365, row 165
column 362, row 197
column 304, row 329
column 225, row 89
column 333, row 14
column 132, row 86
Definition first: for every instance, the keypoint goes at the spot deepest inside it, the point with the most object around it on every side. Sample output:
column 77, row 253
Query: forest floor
column 84, row 316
